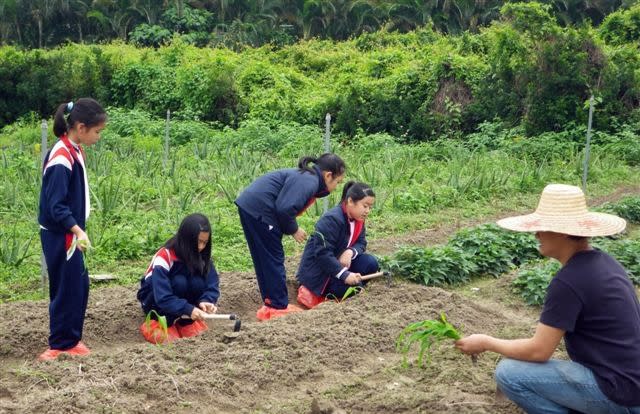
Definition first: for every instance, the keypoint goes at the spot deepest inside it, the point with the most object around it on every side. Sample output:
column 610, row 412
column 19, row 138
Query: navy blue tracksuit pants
column 68, row 291
column 363, row 263
column 267, row 253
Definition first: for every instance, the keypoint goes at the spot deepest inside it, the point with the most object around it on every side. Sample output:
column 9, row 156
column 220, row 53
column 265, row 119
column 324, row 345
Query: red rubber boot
column 154, row 333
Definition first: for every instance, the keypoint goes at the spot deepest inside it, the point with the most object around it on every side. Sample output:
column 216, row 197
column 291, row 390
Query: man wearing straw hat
column 590, row 302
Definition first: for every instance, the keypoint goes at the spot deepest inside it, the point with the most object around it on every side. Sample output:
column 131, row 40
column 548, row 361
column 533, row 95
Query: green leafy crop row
column 481, row 250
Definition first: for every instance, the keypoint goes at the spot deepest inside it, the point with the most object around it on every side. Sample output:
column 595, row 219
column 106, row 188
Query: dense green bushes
column 628, row 208
column 622, row 26
column 418, row 86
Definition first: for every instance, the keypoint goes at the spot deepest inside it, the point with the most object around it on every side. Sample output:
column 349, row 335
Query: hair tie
column 69, row 106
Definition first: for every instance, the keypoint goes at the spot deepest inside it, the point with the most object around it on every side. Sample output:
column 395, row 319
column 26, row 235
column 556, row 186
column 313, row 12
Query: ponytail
column 326, row 162
column 85, row 110
column 59, row 121
column 303, row 163
column 356, row 191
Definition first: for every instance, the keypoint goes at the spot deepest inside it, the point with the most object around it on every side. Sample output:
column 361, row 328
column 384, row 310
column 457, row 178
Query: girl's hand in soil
column 197, row 314
column 353, row 279
column 300, row 235
column 208, row 307
column 345, row 258
column 473, row 344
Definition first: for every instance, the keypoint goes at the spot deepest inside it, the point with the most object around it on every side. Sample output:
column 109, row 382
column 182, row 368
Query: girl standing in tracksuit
column 334, row 257
column 268, row 209
column 63, row 211
column 180, row 281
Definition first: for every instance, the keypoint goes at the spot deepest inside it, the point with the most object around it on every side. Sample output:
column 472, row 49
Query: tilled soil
column 336, row 358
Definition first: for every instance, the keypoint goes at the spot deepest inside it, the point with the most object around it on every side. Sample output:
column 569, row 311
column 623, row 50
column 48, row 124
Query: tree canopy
column 236, row 23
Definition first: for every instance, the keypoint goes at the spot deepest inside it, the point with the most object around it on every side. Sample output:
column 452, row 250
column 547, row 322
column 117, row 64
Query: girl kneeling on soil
column 590, row 302
column 180, row 281
column 268, row 209
column 64, row 209
column 334, row 257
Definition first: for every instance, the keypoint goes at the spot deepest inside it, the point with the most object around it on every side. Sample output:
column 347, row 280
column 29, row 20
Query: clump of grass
column 425, row 333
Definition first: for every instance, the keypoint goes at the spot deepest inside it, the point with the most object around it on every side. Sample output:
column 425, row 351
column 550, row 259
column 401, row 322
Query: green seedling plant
column 351, row 290
column 159, row 337
column 85, row 246
column 426, row 334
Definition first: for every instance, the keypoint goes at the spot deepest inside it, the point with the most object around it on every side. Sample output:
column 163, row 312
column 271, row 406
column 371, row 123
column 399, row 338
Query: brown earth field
column 336, row 358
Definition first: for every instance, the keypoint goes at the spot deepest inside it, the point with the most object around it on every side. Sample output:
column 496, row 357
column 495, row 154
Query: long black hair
column 326, row 162
column 85, row 110
column 185, row 244
column 356, row 191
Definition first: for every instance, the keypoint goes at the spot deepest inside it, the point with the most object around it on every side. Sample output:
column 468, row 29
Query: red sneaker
column 79, row 350
column 154, row 333
column 308, row 298
column 50, row 354
column 193, row 329
column 267, row 312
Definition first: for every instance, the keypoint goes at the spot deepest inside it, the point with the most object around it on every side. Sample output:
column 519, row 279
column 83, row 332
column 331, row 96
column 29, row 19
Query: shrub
column 495, row 250
column 628, row 208
column 622, row 26
column 146, row 35
column 532, row 282
column 435, row 266
column 627, row 252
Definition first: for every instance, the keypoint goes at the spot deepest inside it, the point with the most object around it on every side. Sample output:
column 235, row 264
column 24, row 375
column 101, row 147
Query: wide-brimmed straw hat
column 563, row 209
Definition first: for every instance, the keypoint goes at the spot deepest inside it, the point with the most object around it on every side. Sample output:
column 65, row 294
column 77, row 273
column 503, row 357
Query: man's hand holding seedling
column 473, row 344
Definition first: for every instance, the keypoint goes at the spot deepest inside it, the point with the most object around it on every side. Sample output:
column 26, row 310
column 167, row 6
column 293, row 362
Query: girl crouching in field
column 334, row 258
column 181, row 280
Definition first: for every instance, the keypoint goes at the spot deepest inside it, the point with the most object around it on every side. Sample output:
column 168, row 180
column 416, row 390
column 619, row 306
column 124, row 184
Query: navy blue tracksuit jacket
column 171, row 290
column 319, row 265
column 278, row 197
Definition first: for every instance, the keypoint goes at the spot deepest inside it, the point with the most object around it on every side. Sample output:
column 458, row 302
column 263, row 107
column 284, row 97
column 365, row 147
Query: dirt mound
column 339, row 357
